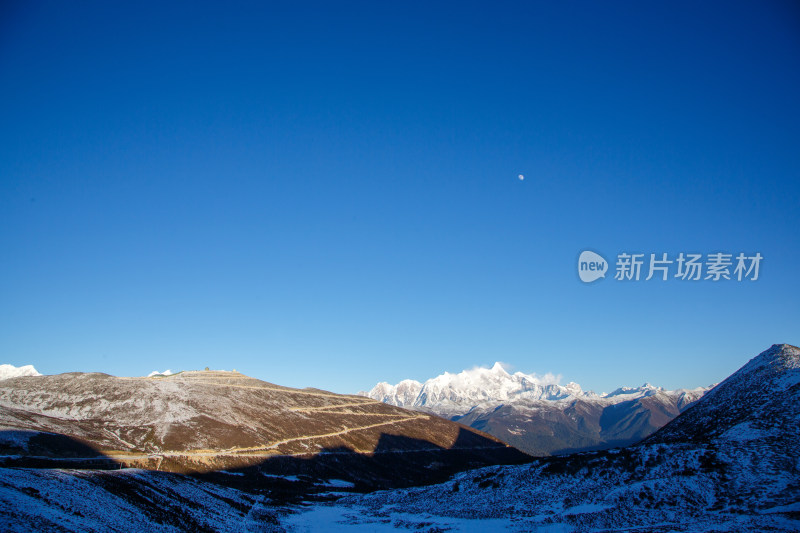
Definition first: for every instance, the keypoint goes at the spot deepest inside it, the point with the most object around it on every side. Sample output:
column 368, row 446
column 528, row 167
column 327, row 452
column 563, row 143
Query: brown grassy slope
column 204, row 421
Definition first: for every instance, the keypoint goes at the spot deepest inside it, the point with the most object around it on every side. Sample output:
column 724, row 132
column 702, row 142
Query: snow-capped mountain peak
column 11, row 371
column 451, row 394
column 459, row 392
column 645, row 390
column 497, row 368
column 400, row 395
column 157, row 373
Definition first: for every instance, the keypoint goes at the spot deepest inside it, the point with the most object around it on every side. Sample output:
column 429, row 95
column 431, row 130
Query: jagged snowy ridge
column 535, row 413
column 455, row 394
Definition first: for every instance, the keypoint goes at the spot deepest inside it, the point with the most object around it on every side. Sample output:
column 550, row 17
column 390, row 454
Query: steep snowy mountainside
column 758, row 399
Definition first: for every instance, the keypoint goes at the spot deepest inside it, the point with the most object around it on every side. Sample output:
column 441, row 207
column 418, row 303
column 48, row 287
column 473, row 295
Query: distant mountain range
column 729, row 462
column 537, row 415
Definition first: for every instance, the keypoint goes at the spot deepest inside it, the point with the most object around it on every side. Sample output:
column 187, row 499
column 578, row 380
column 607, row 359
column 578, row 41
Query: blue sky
column 326, row 194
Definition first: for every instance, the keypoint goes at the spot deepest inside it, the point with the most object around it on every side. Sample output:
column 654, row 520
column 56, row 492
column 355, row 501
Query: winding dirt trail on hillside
column 262, row 450
column 324, row 408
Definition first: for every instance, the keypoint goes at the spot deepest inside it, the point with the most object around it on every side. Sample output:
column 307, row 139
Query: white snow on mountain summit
column 404, row 393
column 455, row 394
column 536, row 413
column 157, row 373
column 11, row 371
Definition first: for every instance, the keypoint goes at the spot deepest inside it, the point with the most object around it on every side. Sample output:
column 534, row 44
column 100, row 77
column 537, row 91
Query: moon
column 521, row 177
